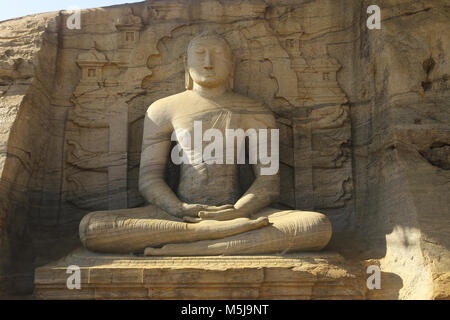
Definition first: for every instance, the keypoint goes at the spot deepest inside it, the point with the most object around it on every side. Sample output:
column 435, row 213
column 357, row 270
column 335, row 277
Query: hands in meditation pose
column 207, row 215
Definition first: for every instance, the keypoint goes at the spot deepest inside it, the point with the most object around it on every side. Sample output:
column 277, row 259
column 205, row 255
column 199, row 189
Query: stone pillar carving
column 322, row 136
column 91, row 64
column 129, row 27
column 97, row 173
column 97, row 105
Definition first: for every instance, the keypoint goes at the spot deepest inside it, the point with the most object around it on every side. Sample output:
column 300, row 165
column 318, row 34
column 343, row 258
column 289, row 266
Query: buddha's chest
column 208, row 122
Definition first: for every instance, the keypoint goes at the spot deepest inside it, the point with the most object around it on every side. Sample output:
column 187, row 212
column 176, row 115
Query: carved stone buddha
column 207, row 214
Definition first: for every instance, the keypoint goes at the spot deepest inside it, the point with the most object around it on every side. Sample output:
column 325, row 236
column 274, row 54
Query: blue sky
column 18, row 8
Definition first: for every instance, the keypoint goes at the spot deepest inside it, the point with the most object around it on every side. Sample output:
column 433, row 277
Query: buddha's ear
column 188, row 82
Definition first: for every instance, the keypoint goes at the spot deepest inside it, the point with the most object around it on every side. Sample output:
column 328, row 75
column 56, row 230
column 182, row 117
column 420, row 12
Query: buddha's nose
column 208, row 61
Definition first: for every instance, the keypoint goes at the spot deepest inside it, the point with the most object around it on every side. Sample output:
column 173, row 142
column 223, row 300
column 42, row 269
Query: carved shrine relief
column 315, row 153
column 322, row 138
column 100, row 105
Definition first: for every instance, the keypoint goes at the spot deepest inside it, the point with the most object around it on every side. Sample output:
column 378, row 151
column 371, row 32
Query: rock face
column 363, row 116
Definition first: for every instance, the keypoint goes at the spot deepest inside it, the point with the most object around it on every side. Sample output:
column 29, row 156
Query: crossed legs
column 288, row 231
column 149, row 228
column 132, row 230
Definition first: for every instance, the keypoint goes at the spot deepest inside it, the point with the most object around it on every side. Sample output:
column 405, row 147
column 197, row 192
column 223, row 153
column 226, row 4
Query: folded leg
column 132, row 230
column 289, row 231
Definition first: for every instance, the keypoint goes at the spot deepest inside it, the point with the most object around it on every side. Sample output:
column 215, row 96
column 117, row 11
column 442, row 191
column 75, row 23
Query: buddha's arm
column 155, row 150
column 266, row 188
column 155, row 153
column 264, row 191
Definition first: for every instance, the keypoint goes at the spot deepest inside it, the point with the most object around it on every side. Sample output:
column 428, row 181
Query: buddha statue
column 207, row 214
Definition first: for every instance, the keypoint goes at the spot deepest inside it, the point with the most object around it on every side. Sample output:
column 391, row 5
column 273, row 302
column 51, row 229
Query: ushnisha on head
column 209, row 62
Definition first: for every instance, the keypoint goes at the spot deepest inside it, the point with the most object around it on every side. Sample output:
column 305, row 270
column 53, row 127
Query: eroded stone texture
column 29, row 128
column 295, row 276
column 363, row 116
column 401, row 127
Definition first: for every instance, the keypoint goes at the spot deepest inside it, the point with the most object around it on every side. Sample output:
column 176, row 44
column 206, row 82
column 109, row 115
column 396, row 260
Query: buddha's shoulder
column 165, row 107
column 167, row 102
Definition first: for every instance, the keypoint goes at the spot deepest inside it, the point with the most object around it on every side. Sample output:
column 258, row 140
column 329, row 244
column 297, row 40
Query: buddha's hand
column 229, row 213
column 187, row 210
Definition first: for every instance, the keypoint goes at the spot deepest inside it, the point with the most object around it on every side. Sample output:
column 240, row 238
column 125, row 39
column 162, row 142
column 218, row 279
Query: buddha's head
column 209, row 62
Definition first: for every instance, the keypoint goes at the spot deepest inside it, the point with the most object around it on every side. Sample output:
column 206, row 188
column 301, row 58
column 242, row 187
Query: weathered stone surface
column 366, row 113
column 29, row 128
column 401, row 196
column 295, row 276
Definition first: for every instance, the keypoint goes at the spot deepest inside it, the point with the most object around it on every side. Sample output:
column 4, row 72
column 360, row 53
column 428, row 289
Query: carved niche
column 311, row 109
column 97, row 127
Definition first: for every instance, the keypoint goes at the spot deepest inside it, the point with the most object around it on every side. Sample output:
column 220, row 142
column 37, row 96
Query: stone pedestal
column 291, row 276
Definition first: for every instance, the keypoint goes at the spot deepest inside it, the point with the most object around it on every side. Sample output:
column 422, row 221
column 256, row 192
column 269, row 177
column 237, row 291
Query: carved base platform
column 292, row 276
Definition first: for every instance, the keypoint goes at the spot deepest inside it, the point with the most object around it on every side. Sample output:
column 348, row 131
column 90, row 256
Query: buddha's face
column 209, row 62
